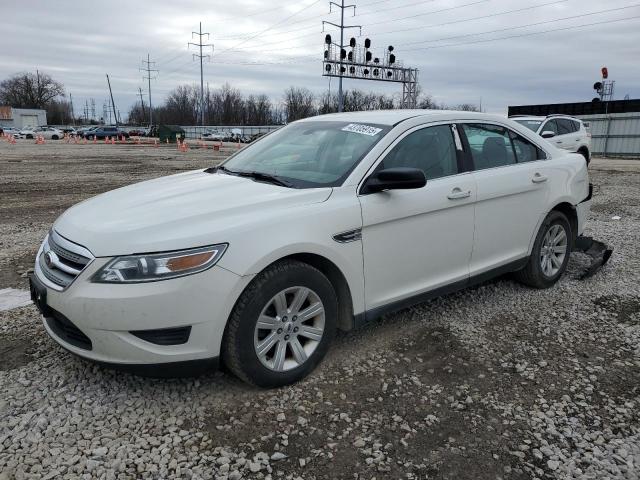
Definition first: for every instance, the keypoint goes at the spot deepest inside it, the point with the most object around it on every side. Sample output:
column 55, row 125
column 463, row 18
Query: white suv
column 568, row 133
column 324, row 224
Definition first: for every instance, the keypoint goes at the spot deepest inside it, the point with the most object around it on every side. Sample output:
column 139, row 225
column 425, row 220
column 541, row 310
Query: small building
column 171, row 133
column 22, row 117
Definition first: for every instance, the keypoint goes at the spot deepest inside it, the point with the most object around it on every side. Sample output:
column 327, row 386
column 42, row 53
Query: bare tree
column 30, row 90
column 299, row 103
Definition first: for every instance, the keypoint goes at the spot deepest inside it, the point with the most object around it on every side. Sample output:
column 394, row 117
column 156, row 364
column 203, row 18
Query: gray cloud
column 78, row 42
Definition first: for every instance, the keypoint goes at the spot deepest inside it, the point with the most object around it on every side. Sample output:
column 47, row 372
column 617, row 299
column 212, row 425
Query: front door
column 418, row 240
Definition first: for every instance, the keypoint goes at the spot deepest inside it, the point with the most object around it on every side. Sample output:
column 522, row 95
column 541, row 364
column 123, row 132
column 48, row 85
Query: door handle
column 457, row 194
column 537, row 178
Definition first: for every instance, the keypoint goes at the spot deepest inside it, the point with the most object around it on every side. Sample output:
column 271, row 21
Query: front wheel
column 550, row 253
column 282, row 325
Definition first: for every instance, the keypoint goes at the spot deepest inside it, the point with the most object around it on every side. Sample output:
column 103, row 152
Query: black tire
column 532, row 274
column 54, row 137
column 90, row 137
column 585, row 154
column 29, row 137
column 238, row 351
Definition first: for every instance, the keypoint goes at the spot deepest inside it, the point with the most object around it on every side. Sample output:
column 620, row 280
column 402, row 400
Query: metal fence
column 615, row 134
column 195, row 132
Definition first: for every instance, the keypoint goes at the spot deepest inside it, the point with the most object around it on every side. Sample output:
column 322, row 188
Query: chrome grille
column 61, row 261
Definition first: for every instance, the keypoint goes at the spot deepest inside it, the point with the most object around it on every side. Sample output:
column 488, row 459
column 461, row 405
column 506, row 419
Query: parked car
column 565, row 132
column 49, row 133
column 326, row 223
column 100, row 133
column 11, row 131
column 215, row 135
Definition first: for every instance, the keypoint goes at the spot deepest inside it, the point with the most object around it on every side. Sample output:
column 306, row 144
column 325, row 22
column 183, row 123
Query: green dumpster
column 172, row 133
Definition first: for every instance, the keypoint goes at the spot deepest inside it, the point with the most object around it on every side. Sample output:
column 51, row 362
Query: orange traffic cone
column 106, row 140
column 95, row 140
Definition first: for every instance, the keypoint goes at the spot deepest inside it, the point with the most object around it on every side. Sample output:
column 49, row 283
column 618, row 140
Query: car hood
column 187, row 210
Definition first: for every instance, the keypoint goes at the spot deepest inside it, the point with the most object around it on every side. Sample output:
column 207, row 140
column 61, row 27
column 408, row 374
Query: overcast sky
column 507, row 52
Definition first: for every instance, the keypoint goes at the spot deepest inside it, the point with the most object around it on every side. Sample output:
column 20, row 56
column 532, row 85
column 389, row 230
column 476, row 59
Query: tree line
column 223, row 106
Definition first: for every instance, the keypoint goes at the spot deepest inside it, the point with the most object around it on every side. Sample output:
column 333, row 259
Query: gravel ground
column 498, row 381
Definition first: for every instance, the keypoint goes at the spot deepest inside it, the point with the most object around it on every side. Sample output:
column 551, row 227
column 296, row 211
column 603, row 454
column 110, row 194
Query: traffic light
column 367, row 43
column 605, row 73
column 368, row 56
column 597, row 86
column 352, row 42
column 327, row 39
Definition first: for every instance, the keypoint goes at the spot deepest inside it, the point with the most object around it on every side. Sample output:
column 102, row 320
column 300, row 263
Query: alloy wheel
column 289, row 328
column 553, row 250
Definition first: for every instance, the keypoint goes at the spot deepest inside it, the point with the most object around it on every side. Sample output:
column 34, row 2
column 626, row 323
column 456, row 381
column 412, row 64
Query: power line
column 545, row 22
column 523, row 34
column 201, row 56
column 148, row 77
column 390, row 20
column 271, row 27
column 433, row 25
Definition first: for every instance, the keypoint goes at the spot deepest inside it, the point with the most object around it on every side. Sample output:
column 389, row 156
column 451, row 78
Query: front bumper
column 108, row 313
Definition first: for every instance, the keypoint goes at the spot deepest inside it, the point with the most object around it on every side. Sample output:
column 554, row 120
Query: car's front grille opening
column 67, row 331
column 60, row 265
column 165, row 336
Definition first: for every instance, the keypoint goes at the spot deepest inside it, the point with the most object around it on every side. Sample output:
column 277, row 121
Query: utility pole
column 73, row 119
column 201, row 56
column 142, row 103
column 342, row 28
column 112, row 102
column 148, row 77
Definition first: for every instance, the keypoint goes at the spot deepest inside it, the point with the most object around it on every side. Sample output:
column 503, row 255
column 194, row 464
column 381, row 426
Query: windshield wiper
column 260, row 176
column 263, row 177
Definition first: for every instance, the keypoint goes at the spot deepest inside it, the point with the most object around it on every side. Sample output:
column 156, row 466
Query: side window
column 576, row 126
column 490, row 145
column 431, row 149
column 550, row 126
column 564, row 126
column 525, row 150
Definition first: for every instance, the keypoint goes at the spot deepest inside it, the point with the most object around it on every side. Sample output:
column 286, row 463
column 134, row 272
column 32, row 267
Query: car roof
column 393, row 117
column 542, row 117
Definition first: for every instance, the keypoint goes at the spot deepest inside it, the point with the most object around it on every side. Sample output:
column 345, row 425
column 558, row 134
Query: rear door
column 415, row 241
column 512, row 187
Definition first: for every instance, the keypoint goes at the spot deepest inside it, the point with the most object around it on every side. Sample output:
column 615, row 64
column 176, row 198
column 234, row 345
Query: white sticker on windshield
column 362, row 129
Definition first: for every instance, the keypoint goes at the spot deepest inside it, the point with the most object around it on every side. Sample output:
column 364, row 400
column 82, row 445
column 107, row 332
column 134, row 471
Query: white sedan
column 48, row 133
column 324, row 224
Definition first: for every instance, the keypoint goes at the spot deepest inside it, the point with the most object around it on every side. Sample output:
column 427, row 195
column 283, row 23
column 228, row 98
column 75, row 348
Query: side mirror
column 547, row 134
column 400, row 178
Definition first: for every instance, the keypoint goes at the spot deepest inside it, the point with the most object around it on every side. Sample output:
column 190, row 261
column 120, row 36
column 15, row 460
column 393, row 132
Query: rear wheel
column 55, row 137
column 585, row 153
column 282, row 325
column 550, row 253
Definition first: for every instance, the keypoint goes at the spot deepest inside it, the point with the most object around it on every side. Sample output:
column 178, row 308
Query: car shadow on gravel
column 420, row 408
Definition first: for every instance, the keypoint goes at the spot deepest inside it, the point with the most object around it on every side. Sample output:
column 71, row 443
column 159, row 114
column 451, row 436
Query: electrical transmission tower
column 201, row 56
column 93, row 108
column 148, row 70
column 342, row 28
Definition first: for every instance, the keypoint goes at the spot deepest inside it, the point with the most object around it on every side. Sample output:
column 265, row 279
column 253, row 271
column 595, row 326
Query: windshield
column 309, row 154
column 531, row 124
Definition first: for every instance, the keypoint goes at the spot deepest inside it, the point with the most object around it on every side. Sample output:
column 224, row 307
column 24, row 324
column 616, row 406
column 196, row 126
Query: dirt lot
column 498, row 381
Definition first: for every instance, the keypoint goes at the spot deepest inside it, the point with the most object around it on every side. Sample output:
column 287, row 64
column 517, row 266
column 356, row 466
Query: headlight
column 159, row 266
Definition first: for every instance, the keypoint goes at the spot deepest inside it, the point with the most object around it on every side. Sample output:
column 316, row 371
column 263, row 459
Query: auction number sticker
column 362, row 129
